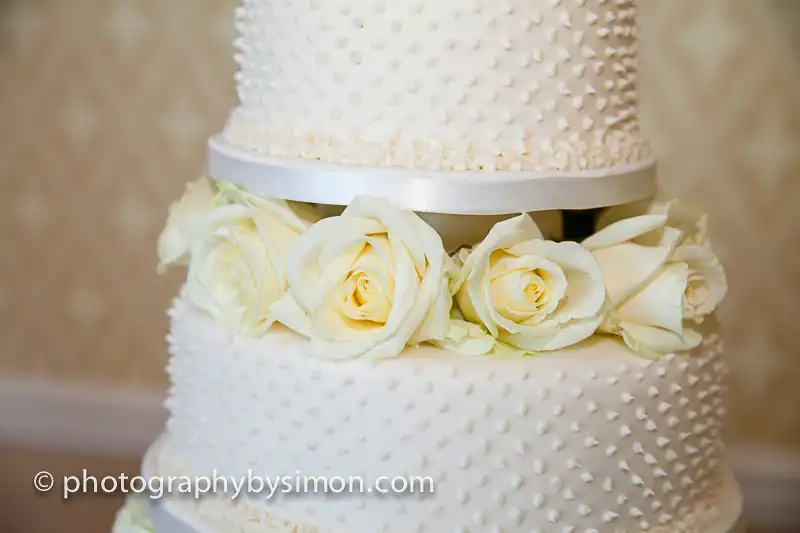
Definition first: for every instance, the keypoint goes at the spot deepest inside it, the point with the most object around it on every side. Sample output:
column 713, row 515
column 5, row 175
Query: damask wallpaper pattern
column 105, row 106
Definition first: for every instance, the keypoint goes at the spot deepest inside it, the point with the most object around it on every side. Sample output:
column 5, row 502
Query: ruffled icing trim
column 242, row 517
column 594, row 150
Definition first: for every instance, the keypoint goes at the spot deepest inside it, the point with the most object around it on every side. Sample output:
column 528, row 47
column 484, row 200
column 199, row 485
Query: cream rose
column 367, row 283
column 527, row 292
column 238, row 250
column 173, row 243
column 659, row 270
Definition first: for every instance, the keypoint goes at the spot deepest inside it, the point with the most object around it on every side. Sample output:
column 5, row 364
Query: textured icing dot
column 519, row 447
column 626, row 397
column 538, row 501
column 542, row 393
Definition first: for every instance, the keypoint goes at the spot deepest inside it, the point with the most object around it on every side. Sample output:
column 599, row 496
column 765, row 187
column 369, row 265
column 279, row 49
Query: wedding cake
column 381, row 286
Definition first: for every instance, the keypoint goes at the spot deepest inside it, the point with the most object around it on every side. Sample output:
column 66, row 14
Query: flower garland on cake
column 374, row 279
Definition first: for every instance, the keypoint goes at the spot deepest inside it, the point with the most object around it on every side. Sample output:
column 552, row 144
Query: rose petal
column 294, row 216
column 627, row 267
column 652, row 341
column 199, row 198
column 624, row 230
column 529, row 262
column 691, row 222
column 419, row 238
column 616, row 213
column 476, row 299
column 331, row 322
column 705, row 269
column 554, row 338
column 586, row 290
column 467, row 338
column 390, row 339
column 504, row 234
column 302, row 262
column 290, row 314
column 437, row 321
column 348, row 232
column 660, row 302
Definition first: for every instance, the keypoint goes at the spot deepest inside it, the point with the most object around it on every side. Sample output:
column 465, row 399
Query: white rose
column 707, row 285
column 238, row 250
column 528, row 292
column 657, row 275
column 173, row 243
column 367, row 283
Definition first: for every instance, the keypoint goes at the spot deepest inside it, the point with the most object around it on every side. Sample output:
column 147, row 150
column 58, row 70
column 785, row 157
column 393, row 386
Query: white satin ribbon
column 477, row 193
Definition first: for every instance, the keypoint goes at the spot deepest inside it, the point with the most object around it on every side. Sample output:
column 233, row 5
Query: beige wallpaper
column 105, row 106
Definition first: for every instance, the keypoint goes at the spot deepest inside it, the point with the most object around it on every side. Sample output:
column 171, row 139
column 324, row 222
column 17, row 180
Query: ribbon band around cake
column 449, row 192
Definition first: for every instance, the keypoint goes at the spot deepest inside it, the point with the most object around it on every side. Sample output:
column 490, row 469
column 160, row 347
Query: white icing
column 480, row 85
column 506, row 456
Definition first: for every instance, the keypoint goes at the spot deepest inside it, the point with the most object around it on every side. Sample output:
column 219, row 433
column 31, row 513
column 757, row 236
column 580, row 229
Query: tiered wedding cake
column 540, row 385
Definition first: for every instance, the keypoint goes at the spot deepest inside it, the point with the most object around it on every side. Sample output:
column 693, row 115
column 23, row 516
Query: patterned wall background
column 104, row 110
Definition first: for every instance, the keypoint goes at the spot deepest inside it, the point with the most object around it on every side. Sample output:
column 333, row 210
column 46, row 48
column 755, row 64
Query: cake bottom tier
column 719, row 511
column 590, row 439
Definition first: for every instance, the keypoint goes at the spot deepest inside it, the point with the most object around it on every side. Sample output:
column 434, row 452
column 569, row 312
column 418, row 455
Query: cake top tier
column 451, row 84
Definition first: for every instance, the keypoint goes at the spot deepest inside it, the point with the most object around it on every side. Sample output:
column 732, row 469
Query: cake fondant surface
column 451, row 84
column 575, row 440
